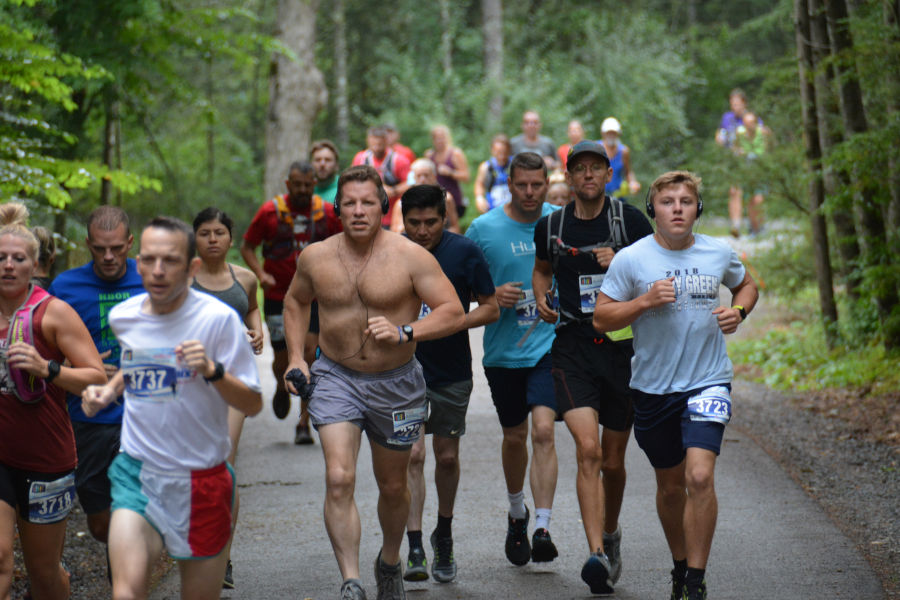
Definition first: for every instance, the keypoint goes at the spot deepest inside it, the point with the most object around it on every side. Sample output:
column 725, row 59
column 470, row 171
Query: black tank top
column 235, row 296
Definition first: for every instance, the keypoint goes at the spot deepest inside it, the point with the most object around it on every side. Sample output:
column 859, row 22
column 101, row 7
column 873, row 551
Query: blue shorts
column 515, row 391
column 191, row 510
column 667, row 433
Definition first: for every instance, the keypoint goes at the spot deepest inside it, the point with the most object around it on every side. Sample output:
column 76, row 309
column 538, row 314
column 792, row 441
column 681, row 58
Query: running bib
column 588, row 288
column 51, row 501
column 150, row 374
column 712, row 404
column 407, row 424
column 526, row 309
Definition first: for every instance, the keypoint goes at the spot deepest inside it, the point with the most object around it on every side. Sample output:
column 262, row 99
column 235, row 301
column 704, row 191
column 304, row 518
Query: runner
column 590, row 371
column 623, row 182
column 491, row 188
column 423, row 172
column 37, row 447
column 447, row 364
column 185, row 359
column 284, row 226
column 517, row 358
column 391, row 165
column 667, row 287
column 324, row 157
column 370, row 284
column 43, row 270
column 452, row 166
column 92, row 290
column 531, row 140
column 235, row 286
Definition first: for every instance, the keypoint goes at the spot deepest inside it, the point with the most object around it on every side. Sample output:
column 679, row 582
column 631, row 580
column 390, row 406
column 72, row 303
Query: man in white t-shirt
column 185, row 359
column 666, row 286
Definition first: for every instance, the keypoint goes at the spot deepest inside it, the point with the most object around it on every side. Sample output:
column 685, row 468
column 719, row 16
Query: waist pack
column 28, row 388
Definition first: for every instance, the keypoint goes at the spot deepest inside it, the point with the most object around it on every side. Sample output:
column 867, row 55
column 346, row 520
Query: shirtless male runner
column 370, row 284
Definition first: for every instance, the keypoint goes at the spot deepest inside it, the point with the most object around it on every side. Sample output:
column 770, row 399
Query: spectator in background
column 491, row 189
column 452, row 166
column 576, row 134
column 531, row 140
column 623, row 182
column 392, row 166
column 324, row 157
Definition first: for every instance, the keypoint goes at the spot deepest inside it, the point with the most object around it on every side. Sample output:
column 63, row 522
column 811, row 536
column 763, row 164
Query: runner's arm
column 297, row 302
column 435, row 290
column 95, row 398
column 480, row 193
column 745, row 294
column 248, row 253
column 541, row 282
column 611, row 315
column 253, row 319
column 234, row 392
column 460, row 166
column 486, row 312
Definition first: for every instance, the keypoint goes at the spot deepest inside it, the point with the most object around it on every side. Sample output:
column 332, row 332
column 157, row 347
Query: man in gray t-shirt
column 667, row 287
column 531, row 140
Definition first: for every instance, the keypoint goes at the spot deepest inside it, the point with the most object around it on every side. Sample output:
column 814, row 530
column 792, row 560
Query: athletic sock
column 694, row 577
column 517, row 504
column 415, row 539
column 680, row 568
column 444, row 526
column 542, row 518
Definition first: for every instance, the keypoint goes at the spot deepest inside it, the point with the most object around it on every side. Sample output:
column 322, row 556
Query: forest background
column 167, row 107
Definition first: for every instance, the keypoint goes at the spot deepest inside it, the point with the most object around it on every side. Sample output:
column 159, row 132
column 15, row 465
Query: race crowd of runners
column 124, row 382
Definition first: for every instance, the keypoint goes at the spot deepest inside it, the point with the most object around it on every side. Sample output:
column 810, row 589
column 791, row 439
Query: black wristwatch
column 52, row 370
column 742, row 312
column 407, row 330
column 218, row 374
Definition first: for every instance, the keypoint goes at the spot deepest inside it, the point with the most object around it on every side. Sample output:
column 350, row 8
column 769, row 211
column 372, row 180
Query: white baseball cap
column 610, row 124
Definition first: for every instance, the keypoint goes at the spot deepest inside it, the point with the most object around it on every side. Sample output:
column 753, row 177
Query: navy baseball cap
column 586, row 147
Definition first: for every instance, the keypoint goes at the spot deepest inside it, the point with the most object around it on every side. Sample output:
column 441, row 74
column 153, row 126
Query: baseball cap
column 610, row 124
column 586, row 147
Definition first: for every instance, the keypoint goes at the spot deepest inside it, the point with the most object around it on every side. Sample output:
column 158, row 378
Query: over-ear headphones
column 651, row 212
column 382, row 195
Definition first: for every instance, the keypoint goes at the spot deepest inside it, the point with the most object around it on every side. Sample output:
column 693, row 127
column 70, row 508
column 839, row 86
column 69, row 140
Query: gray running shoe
column 443, row 569
column 416, row 565
column 595, row 573
column 352, row 589
column 611, row 544
column 389, row 580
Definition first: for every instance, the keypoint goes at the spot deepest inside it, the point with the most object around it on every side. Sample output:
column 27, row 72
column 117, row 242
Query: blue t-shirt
column 677, row 347
column 508, row 247
column 617, row 163
column 92, row 298
column 449, row 360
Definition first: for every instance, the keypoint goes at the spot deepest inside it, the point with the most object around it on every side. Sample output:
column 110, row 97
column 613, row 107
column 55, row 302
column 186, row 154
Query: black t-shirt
column 449, row 360
column 577, row 276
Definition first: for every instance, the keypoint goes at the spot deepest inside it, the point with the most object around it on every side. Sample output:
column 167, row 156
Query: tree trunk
column 296, row 92
column 492, row 32
column 892, row 21
column 870, row 219
column 805, row 67
column 447, row 57
column 342, row 106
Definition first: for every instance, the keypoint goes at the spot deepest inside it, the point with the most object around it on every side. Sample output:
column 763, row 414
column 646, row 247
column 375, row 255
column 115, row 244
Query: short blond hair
column 690, row 180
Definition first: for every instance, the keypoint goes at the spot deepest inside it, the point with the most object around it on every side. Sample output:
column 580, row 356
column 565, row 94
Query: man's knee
column 699, row 479
column 588, row 450
column 417, row 457
column 339, row 481
column 516, row 436
column 446, row 460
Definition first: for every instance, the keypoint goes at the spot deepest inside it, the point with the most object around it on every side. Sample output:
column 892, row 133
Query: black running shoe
column 542, row 547
column 302, row 435
column 228, row 581
column 443, row 569
column 281, row 403
column 416, row 565
column 695, row 593
column 518, row 551
column 678, row 590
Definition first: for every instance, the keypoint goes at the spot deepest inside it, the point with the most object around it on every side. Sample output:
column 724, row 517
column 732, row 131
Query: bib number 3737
column 712, row 404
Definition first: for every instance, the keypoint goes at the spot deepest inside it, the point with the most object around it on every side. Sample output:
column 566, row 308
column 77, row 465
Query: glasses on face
column 594, row 168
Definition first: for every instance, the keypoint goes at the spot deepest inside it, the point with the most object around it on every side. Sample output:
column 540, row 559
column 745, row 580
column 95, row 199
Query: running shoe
column 352, row 589
column 695, row 593
column 517, row 549
column 228, row 581
column 443, row 569
column 542, row 547
column 595, row 573
column 281, row 403
column 302, row 435
column 416, row 565
column 389, row 580
column 678, row 590
column 611, row 544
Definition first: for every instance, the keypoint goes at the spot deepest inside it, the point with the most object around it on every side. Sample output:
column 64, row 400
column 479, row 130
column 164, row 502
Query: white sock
column 542, row 518
column 517, row 504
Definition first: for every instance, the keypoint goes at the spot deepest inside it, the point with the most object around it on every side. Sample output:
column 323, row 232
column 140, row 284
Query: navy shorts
column 515, row 391
column 665, row 435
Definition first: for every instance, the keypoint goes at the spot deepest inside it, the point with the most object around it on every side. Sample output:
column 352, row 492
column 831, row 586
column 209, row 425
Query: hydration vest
column 285, row 242
column 28, row 388
column 386, row 170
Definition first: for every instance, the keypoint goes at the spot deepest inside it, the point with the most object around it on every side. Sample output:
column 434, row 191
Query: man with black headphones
column 591, row 371
column 667, row 288
column 370, row 284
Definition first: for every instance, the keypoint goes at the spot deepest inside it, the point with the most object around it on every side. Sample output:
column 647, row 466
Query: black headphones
column 651, row 212
column 382, row 195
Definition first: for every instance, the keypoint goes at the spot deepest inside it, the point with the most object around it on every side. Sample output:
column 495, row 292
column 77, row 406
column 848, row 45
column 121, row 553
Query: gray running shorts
column 389, row 406
column 447, row 406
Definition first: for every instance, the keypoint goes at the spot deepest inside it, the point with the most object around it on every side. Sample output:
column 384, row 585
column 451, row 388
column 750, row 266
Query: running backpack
column 386, row 170
column 618, row 237
column 284, row 243
column 28, row 388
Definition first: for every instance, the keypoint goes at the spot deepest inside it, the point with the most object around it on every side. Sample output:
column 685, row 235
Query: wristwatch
column 408, row 331
column 52, row 370
column 218, row 374
column 741, row 311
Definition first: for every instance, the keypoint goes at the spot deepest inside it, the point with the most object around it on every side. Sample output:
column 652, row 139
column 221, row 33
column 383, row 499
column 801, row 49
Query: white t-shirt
column 677, row 347
column 173, row 418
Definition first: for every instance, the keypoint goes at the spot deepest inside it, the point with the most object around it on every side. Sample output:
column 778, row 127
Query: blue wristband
column 400, row 333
